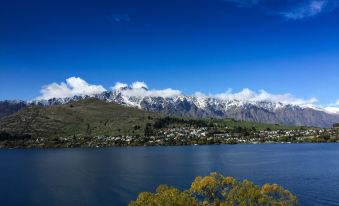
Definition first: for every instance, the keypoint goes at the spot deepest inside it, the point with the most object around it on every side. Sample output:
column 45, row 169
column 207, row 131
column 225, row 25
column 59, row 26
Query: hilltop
column 83, row 119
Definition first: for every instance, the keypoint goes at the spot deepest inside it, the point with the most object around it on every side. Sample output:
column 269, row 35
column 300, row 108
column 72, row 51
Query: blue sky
column 289, row 46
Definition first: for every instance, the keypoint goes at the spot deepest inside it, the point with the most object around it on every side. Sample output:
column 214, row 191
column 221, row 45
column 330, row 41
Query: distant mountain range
column 200, row 107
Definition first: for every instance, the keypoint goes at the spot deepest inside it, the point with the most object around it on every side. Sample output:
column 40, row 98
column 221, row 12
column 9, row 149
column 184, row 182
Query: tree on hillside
column 149, row 130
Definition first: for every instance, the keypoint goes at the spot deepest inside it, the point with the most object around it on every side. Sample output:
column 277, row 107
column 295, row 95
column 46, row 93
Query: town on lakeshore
column 194, row 132
column 204, row 136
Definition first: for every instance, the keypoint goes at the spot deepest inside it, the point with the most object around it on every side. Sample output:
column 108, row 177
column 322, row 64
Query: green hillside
column 84, row 118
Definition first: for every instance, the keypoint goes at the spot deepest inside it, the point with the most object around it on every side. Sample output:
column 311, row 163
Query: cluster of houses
column 189, row 135
column 202, row 135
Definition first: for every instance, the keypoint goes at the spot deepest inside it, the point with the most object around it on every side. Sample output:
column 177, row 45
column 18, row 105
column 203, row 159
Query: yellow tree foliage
column 165, row 196
column 217, row 190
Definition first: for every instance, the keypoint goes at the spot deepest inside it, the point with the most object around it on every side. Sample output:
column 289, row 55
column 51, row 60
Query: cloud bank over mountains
column 249, row 95
column 76, row 86
column 140, row 89
column 72, row 87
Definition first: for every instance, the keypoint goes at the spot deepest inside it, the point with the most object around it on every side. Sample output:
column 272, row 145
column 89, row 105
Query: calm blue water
column 114, row 176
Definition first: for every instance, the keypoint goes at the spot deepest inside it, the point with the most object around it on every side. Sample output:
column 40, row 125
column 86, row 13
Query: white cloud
column 199, row 94
column 140, row 89
column 245, row 94
column 119, row 86
column 249, row 95
column 330, row 108
column 139, row 85
column 308, row 9
column 333, row 110
column 72, row 87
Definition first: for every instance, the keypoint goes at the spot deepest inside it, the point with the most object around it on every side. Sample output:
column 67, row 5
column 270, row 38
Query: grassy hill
column 84, row 118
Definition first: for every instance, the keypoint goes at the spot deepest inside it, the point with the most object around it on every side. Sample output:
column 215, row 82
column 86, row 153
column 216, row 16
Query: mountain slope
column 88, row 117
column 10, row 107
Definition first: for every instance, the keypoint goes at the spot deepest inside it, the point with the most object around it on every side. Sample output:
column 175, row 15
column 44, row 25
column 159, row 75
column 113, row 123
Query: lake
column 114, row 176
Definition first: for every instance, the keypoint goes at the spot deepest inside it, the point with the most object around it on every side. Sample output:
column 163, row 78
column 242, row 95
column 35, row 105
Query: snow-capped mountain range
column 200, row 107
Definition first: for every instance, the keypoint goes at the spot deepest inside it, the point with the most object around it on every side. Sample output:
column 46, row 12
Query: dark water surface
column 114, row 176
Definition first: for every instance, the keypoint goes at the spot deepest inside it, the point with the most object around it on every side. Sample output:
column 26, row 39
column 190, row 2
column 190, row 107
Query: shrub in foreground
column 217, row 190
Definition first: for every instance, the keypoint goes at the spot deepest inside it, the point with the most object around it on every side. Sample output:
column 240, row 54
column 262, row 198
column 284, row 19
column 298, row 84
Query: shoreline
column 150, row 146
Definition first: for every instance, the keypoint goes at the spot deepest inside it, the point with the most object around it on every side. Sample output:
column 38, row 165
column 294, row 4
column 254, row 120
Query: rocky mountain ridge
column 200, row 107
